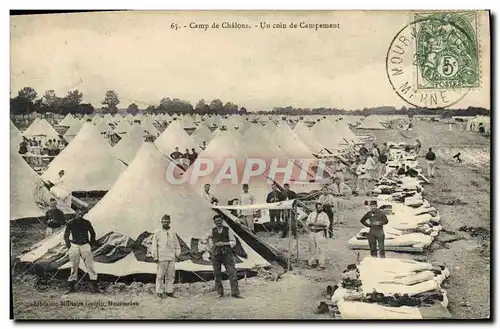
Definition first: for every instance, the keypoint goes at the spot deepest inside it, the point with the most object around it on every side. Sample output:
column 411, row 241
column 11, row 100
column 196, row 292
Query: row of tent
column 133, row 173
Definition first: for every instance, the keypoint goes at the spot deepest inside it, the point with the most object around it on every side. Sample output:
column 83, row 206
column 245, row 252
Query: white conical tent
column 123, row 127
column 23, row 184
column 175, row 136
column 40, row 128
column 88, row 162
column 372, row 123
column 97, row 118
column 109, row 118
column 103, row 126
column 331, row 135
column 187, row 122
column 202, row 134
column 73, row 130
column 136, row 204
column 126, row 149
column 288, row 141
column 68, row 120
column 308, row 137
column 224, row 146
column 15, row 136
column 148, row 127
column 244, row 127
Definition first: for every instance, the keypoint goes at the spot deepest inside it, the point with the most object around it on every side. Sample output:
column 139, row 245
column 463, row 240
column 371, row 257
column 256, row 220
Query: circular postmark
column 433, row 61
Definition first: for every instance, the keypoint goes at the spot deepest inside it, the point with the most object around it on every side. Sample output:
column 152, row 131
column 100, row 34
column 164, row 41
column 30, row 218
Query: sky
column 143, row 59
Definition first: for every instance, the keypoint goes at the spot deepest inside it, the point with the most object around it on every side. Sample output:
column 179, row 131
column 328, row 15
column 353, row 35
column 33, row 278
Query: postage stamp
column 447, row 50
column 433, row 61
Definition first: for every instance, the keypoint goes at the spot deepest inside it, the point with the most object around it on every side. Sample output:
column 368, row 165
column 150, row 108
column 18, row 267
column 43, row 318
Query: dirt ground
column 461, row 193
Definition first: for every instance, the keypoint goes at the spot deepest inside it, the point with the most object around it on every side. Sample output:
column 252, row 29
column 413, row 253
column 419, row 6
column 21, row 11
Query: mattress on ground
column 419, row 240
column 412, row 285
column 350, row 310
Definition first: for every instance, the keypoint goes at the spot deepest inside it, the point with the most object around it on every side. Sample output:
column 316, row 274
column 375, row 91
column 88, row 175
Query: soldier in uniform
column 223, row 242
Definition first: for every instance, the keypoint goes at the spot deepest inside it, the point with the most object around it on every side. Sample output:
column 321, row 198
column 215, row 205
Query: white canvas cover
column 40, row 128
column 15, row 136
column 68, row 120
column 127, row 147
column 73, row 130
column 88, row 162
column 175, row 136
column 123, row 127
column 24, row 185
column 202, row 134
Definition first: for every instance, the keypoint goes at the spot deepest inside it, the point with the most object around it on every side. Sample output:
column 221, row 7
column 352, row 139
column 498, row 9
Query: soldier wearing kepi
column 223, row 242
column 375, row 219
column 165, row 251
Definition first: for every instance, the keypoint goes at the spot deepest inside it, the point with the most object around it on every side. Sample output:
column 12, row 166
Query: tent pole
column 289, row 240
column 294, row 210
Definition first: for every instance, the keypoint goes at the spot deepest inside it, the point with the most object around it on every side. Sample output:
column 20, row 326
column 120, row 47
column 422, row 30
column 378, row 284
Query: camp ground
column 124, row 191
column 250, row 172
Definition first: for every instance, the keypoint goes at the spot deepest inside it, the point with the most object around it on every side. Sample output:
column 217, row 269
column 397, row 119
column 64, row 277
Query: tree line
column 27, row 101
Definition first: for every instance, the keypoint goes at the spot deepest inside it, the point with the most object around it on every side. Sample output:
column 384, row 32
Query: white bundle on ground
column 389, row 288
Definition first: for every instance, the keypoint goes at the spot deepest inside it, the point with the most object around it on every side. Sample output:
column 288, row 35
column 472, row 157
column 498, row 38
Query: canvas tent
column 41, row 129
column 15, row 136
column 29, row 198
column 371, row 123
column 175, row 136
column 88, row 162
column 73, row 130
column 126, row 149
column 67, row 121
column 122, row 127
column 202, row 134
column 129, row 214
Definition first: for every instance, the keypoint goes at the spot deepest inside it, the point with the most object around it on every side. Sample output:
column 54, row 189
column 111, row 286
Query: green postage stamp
column 447, row 53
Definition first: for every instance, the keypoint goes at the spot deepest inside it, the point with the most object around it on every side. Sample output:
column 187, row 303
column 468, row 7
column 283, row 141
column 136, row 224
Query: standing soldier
column 275, row 214
column 165, row 251
column 246, row 199
column 317, row 222
column 328, row 201
column 431, row 158
column 375, row 219
column 79, row 247
column 223, row 242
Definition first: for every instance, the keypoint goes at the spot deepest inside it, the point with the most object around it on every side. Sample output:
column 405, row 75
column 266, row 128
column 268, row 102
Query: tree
column 133, row 109
column 110, row 102
column 243, row 110
column 150, row 109
column 202, row 107
column 85, row 108
column 230, row 108
column 24, row 102
column 50, row 99
column 27, row 94
column 71, row 102
column 216, row 106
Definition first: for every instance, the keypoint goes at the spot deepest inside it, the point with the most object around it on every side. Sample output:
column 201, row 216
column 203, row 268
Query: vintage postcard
column 330, row 165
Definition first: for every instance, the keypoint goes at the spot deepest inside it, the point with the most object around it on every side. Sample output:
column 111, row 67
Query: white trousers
column 84, row 252
column 248, row 219
column 165, row 277
column 430, row 168
column 316, row 241
column 48, row 231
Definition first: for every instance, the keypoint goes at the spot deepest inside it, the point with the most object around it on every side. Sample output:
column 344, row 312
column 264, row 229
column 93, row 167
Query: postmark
column 433, row 61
